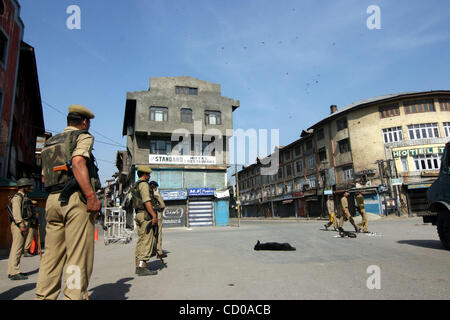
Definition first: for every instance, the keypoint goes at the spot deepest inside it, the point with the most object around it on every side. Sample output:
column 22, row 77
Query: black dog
column 344, row 233
column 274, row 246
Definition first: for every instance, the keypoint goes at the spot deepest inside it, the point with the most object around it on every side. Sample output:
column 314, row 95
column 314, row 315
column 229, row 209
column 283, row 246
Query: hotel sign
column 417, row 151
column 178, row 159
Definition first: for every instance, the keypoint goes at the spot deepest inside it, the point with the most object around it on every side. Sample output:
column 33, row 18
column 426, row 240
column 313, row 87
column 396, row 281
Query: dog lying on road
column 344, row 233
column 274, row 246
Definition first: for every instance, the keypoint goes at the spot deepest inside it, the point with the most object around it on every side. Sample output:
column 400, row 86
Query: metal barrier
column 115, row 222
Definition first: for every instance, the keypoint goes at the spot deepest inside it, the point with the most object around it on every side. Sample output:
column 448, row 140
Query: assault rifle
column 71, row 186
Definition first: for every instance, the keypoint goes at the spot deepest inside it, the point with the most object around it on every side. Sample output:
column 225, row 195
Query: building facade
column 389, row 146
column 180, row 127
column 11, row 35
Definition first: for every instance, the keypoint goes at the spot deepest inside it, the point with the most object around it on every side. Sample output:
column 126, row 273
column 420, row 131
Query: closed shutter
column 200, row 213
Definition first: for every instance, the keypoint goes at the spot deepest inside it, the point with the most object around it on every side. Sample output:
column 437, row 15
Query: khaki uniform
column 29, row 240
column 18, row 239
column 69, row 240
column 361, row 209
column 346, row 214
column 159, row 210
column 332, row 213
column 145, row 241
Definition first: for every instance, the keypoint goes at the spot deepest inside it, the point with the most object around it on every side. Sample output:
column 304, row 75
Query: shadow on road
column 111, row 291
column 13, row 293
column 432, row 244
column 29, row 273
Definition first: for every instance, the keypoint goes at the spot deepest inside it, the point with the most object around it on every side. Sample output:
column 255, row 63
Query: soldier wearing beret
column 19, row 228
column 145, row 215
column 69, row 241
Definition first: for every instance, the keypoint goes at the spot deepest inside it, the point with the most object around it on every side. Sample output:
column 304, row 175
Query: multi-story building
column 389, row 145
column 180, row 127
column 11, row 34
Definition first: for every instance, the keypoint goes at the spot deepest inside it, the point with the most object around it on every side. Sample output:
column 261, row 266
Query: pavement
column 401, row 259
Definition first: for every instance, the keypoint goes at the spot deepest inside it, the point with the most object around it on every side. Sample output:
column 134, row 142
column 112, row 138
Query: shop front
column 174, row 214
column 200, row 207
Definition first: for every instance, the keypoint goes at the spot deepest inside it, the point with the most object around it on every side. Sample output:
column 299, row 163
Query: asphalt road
column 220, row 263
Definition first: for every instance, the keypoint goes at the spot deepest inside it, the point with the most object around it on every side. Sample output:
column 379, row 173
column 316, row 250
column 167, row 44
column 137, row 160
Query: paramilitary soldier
column 70, row 176
column 346, row 213
column 362, row 211
column 20, row 222
column 145, row 219
column 158, row 205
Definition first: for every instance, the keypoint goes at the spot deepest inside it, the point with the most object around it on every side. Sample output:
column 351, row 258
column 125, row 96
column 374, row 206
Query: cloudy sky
column 286, row 61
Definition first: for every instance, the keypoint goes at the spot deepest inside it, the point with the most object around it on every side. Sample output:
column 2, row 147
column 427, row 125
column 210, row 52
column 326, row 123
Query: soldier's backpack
column 58, row 151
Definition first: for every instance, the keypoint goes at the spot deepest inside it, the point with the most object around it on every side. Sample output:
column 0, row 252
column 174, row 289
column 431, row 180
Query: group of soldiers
column 70, row 176
column 346, row 213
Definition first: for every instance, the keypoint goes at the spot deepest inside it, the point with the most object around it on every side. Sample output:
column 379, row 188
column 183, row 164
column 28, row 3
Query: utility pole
column 238, row 198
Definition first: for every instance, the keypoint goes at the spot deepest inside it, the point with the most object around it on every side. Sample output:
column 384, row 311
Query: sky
column 286, row 61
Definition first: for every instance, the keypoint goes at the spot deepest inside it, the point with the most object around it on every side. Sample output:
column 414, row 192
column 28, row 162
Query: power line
column 115, row 143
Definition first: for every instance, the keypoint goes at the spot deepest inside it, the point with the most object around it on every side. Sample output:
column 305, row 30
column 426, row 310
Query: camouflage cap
column 81, row 110
column 144, row 169
column 24, row 182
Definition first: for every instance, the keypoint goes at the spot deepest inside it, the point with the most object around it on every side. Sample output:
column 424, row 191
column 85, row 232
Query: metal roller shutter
column 201, row 213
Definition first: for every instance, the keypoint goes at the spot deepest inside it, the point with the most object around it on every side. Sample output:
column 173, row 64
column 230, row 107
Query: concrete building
column 390, row 146
column 180, row 127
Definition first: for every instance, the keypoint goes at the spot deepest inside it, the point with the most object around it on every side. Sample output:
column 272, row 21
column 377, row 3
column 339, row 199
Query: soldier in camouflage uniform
column 69, row 169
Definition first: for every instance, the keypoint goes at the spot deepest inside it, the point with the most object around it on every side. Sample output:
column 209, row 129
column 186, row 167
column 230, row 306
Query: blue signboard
column 173, row 194
column 196, row 192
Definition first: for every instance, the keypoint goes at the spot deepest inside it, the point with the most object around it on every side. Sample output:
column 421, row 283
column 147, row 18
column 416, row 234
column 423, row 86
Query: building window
column 298, row 151
column 419, row 106
column 423, row 131
column 280, row 188
column 311, row 162
column 392, row 134
column 309, row 145
column 186, row 90
column 280, row 174
column 287, row 156
column 344, row 146
column 213, row 117
column 320, row 134
column 341, row 124
column 427, row 162
column 347, row 173
column 160, row 146
column 447, row 129
column 3, row 49
column 389, row 111
column 288, row 170
column 405, row 166
column 158, row 114
column 299, row 166
column 322, row 154
column 299, row 184
column 312, row 182
column 186, row 115
column 445, row 104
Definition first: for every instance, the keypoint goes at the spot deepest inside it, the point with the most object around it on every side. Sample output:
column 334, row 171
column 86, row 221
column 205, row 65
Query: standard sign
column 176, row 159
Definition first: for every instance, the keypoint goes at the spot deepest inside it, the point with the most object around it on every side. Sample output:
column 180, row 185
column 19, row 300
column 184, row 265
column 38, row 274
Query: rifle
column 71, row 186
column 10, row 215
